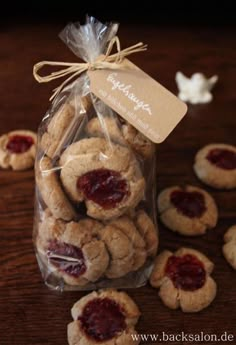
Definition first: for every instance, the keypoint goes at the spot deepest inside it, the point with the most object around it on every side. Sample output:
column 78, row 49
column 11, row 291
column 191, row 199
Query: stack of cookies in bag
column 95, row 198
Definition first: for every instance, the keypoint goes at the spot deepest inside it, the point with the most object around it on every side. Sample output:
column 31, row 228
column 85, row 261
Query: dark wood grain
column 31, row 314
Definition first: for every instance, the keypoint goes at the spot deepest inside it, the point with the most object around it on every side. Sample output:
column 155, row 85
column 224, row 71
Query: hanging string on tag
column 74, row 69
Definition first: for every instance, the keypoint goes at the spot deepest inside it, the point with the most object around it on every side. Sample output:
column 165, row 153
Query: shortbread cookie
column 106, row 317
column 51, row 191
column 184, row 279
column 106, row 126
column 106, row 176
column 125, row 245
column 17, row 150
column 189, row 211
column 229, row 249
column 72, row 250
column 58, row 130
column 215, row 165
column 122, row 133
column 139, row 143
column 148, row 231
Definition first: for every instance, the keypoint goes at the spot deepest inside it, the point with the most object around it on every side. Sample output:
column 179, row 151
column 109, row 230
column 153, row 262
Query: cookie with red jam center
column 72, row 251
column 215, row 165
column 184, row 279
column 186, row 272
column 103, row 317
column 67, row 258
column 104, row 187
column 17, row 150
column 107, row 177
column 19, row 143
column 189, row 211
column 223, row 158
column 190, row 204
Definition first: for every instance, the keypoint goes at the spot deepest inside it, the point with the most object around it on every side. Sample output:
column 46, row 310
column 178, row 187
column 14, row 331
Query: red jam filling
column 191, row 204
column 67, row 258
column 102, row 319
column 222, row 158
column 186, row 272
column 104, row 187
column 19, row 143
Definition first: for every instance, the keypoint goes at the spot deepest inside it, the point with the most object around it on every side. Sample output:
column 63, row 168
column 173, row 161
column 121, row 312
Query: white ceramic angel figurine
column 196, row 89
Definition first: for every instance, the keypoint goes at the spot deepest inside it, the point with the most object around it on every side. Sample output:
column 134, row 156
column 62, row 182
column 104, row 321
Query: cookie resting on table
column 72, row 251
column 189, row 211
column 184, row 279
column 105, row 317
column 229, row 248
column 106, row 176
column 18, row 149
column 122, row 133
column 51, row 191
column 215, row 165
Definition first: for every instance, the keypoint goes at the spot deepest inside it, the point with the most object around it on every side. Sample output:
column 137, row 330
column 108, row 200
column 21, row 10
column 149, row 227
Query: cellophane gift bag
column 95, row 223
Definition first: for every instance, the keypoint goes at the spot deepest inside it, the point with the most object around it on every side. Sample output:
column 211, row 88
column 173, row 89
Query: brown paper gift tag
column 139, row 99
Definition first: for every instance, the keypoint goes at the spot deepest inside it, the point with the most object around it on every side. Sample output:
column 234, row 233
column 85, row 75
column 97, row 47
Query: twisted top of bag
column 74, row 69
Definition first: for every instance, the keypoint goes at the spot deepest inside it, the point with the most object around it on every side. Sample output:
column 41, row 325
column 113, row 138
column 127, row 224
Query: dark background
column 198, row 12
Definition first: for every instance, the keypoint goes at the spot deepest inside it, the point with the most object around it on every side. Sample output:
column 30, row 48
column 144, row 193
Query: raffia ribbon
column 74, row 69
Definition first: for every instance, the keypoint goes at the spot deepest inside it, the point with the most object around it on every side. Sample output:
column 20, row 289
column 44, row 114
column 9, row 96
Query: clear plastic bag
column 95, row 205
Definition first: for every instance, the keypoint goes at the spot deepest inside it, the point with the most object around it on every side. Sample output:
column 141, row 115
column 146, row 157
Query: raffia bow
column 74, row 69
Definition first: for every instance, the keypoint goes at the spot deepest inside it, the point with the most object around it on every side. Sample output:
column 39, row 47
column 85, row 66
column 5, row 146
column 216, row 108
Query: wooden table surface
column 31, row 314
